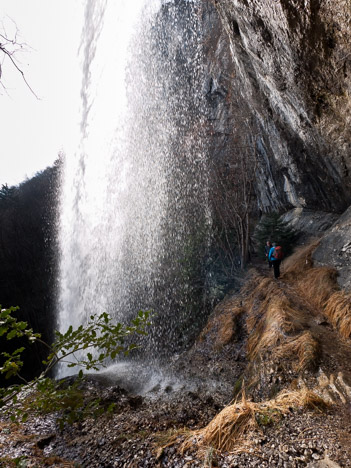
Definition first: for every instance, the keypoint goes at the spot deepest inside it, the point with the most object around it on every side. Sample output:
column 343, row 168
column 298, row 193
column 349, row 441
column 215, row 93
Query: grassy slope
column 297, row 343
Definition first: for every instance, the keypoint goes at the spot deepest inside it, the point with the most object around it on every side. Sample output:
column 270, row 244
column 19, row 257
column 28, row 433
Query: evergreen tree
column 272, row 228
column 28, row 257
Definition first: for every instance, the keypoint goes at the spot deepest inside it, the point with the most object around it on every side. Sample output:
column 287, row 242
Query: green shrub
column 86, row 348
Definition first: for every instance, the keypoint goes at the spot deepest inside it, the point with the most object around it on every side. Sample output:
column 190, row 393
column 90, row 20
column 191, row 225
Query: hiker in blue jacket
column 275, row 256
column 267, row 249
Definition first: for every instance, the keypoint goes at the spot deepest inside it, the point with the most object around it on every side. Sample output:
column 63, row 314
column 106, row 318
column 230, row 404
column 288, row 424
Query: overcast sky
column 34, row 131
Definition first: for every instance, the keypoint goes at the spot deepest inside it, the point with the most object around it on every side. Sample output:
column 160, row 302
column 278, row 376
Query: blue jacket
column 270, row 255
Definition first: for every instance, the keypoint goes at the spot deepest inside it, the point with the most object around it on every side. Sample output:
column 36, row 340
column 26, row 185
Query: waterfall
column 134, row 218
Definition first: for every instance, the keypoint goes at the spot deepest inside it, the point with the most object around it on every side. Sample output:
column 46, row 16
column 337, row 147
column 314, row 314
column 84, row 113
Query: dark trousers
column 276, row 268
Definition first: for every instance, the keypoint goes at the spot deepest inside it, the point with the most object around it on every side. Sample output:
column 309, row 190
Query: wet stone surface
column 138, row 434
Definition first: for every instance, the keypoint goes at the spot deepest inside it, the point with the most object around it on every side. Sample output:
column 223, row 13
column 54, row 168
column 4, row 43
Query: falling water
column 134, row 217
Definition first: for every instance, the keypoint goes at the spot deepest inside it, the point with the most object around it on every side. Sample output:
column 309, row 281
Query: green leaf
column 99, row 334
column 111, row 407
column 11, row 334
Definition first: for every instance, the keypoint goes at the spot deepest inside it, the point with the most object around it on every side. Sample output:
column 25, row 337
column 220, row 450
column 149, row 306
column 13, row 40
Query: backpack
column 278, row 253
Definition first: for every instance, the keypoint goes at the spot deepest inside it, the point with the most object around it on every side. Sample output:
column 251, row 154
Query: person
column 275, row 261
column 267, row 249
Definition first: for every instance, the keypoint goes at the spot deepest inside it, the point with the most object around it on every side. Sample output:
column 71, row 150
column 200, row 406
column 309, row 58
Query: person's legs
column 276, row 267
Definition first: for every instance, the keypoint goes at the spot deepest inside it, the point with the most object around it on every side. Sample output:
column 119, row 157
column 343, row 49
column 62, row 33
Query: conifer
column 274, row 229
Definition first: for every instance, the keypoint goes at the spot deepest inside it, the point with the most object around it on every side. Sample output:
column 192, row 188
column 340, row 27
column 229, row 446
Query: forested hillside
column 28, row 257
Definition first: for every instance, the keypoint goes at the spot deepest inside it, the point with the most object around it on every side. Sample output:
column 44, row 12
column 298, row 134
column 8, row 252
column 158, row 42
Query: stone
column 325, row 463
column 335, row 249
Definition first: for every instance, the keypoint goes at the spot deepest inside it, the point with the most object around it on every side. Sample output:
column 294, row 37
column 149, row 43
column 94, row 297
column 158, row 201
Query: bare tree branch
column 10, row 53
column 233, row 190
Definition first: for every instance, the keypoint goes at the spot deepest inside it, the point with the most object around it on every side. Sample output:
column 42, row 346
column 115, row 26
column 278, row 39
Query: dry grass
column 338, row 310
column 226, row 430
column 226, row 329
column 320, row 288
column 257, row 301
column 279, row 320
column 257, row 289
column 271, row 317
column 305, row 347
column 300, row 261
column 222, row 325
column 318, row 285
column 232, row 429
column 314, row 284
column 276, row 317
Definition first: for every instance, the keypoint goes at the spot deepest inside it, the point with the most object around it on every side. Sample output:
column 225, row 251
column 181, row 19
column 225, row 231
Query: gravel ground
column 134, row 436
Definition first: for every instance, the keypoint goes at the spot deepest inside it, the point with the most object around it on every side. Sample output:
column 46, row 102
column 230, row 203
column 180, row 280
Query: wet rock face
column 279, row 76
column 335, row 249
column 309, row 223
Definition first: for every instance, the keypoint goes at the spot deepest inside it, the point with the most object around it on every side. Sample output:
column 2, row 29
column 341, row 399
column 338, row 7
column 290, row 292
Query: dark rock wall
column 279, row 76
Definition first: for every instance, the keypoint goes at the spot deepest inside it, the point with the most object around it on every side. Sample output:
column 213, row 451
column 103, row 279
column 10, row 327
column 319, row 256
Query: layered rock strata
column 279, row 78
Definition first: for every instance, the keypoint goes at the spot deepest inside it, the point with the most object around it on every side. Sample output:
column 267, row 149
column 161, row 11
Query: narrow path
column 335, row 351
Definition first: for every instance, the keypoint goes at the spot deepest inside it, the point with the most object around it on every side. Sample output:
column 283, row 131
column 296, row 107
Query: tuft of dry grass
column 320, row 288
column 226, row 430
column 338, row 310
column 226, row 329
column 276, row 318
column 300, row 261
column 231, row 430
column 274, row 322
column 222, row 325
column 304, row 346
column 318, row 285
column 257, row 290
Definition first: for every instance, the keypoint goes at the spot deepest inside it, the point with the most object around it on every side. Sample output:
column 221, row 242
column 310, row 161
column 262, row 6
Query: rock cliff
column 279, row 75
column 335, row 249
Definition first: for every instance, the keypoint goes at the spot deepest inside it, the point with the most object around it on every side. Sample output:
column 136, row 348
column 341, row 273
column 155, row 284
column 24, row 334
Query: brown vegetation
column 281, row 344
column 222, row 325
column 300, row 261
column 278, row 314
column 319, row 287
column 305, row 347
column 338, row 310
column 231, row 430
column 275, row 322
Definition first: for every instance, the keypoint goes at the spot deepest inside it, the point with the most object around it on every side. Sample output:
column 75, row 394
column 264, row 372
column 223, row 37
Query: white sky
column 32, row 132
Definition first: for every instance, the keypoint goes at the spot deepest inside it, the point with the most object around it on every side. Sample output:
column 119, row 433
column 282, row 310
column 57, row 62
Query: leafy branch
column 87, row 347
